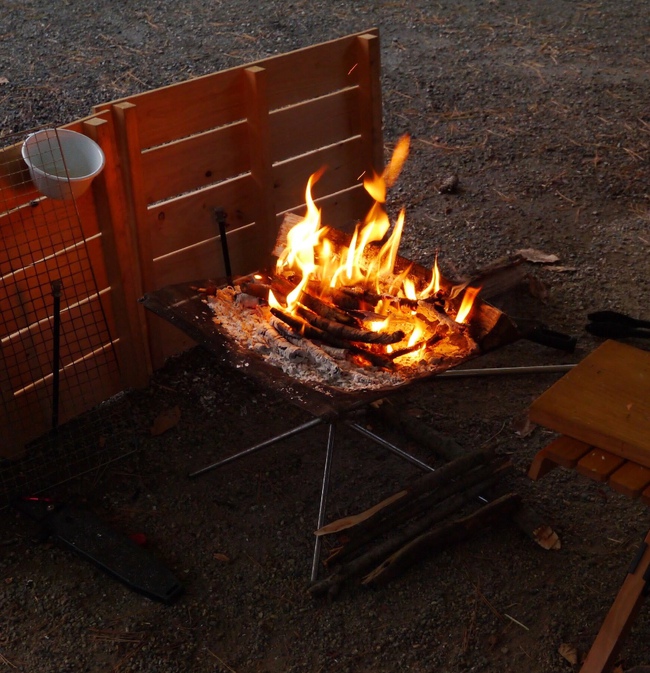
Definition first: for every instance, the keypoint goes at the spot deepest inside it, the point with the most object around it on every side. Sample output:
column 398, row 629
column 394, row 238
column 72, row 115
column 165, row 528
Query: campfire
column 347, row 312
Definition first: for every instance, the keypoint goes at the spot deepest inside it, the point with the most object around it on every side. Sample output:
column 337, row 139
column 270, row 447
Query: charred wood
column 304, row 329
column 349, row 333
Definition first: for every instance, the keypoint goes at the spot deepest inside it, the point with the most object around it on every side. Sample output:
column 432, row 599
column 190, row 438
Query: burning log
column 308, row 349
column 308, row 331
column 441, row 537
column 348, row 333
column 282, row 287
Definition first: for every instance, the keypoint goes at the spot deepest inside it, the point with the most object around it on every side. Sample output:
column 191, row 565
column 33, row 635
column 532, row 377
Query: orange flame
column 467, row 303
column 367, row 263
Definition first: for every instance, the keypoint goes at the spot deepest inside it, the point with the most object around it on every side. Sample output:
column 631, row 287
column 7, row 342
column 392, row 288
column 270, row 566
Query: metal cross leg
column 326, row 471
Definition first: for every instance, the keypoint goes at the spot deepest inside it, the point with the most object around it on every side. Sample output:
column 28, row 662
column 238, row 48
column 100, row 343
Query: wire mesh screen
column 58, row 359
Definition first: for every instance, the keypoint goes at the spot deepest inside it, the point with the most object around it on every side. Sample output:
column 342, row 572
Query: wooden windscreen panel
column 246, row 140
column 44, row 241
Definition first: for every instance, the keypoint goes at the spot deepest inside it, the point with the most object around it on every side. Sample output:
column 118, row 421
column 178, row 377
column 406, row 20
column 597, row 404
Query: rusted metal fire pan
column 183, row 305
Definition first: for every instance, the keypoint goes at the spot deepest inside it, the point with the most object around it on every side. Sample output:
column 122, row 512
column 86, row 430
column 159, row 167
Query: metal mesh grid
column 57, row 355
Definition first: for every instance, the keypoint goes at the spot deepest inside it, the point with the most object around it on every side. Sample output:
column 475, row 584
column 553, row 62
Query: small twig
column 6, row 661
column 221, row 661
column 518, row 623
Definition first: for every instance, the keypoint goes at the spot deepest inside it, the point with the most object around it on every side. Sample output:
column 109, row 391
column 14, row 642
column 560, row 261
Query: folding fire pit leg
column 323, row 500
column 391, row 447
column 257, row 447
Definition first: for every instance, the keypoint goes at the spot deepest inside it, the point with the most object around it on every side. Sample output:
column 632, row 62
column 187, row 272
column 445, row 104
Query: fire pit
column 345, row 314
column 342, row 319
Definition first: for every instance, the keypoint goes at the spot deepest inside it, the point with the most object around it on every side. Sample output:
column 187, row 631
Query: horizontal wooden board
column 195, row 162
column 205, row 259
column 344, row 167
column 41, row 227
column 341, row 210
column 603, row 401
column 598, row 464
column 630, row 479
column 305, row 127
column 190, row 218
column 28, row 354
column 82, row 387
column 26, row 296
column 216, row 99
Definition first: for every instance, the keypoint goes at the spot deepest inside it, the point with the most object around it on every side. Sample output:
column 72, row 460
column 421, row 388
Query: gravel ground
column 543, row 113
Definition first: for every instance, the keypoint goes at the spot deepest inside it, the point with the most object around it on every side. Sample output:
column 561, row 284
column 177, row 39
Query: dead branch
column 332, row 584
column 442, row 537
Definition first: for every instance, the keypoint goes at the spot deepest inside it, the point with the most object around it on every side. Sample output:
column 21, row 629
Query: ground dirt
column 543, row 112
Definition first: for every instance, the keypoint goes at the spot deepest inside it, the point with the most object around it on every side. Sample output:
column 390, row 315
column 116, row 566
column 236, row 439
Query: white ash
column 253, row 328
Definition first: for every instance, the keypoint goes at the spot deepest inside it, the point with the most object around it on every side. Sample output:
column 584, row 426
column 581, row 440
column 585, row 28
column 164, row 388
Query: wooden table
column 601, row 409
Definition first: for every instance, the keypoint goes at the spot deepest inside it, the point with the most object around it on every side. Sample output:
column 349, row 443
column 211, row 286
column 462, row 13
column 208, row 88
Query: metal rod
column 323, row 500
column 491, row 371
column 300, row 428
column 56, row 349
column 391, row 447
column 221, row 217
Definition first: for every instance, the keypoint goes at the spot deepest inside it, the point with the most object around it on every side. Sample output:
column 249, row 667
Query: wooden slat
column 599, row 465
column 630, row 479
column 618, row 622
column 206, row 261
column 603, row 401
column 120, row 258
column 563, row 451
column 370, row 96
column 316, row 123
column 214, row 100
column 345, row 165
column 28, row 354
column 41, row 227
column 255, row 93
column 189, row 219
column 195, row 162
column 82, row 386
column 26, row 295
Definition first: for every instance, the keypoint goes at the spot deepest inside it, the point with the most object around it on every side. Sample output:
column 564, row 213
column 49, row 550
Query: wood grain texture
column 604, row 401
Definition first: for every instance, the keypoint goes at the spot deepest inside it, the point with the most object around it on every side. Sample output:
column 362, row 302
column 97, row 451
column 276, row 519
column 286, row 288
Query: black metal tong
column 615, row 325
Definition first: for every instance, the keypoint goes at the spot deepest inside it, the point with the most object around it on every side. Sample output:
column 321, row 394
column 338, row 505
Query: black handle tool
column 615, row 325
column 81, row 531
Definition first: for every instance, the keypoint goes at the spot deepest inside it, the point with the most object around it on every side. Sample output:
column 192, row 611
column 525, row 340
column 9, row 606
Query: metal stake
column 323, row 501
column 56, row 349
column 221, row 217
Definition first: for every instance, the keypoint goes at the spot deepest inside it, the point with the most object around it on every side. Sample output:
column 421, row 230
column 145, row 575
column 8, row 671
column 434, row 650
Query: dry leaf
column 568, row 652
column 166, row 421
column 547, row 538
column 224, row 558
column 537, row 256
